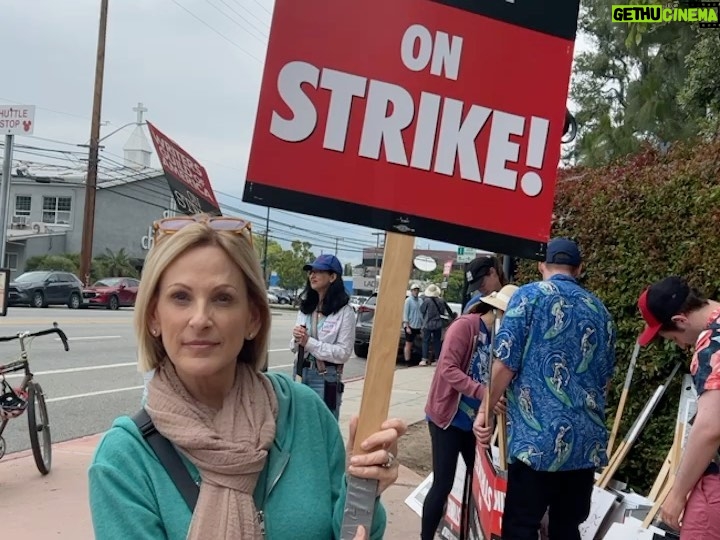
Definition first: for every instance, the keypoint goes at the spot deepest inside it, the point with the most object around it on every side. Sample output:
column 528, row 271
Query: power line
column 356, row 240
column 262, row 6
column 46, row 109
column 276, row 236
column 216, row 31
column 348, row 240
column 289, row 235
column 114, row 169
column 251, row 13
column 53, row 141
column 321, row 221
column 263, row 37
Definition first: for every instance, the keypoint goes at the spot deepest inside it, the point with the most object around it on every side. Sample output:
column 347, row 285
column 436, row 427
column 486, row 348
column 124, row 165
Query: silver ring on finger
column 391, row 460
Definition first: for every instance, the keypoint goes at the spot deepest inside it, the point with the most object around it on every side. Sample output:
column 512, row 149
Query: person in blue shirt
column 555, row 355
column 412, row 320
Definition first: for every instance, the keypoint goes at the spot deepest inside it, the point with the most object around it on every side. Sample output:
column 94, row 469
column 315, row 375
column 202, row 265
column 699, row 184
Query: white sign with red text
column 17, row 119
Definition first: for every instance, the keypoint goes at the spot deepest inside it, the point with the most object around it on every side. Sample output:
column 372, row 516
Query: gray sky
column 195, row 64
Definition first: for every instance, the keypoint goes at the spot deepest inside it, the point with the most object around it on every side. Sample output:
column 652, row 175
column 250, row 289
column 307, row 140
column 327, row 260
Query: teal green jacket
column 301, row 491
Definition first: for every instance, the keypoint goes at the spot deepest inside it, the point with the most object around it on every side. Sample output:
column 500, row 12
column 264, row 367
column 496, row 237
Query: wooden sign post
column 375, row 404
column 380, row 370
column 623, row 398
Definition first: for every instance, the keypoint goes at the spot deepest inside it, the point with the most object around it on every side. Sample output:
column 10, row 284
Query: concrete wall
column 124, row 216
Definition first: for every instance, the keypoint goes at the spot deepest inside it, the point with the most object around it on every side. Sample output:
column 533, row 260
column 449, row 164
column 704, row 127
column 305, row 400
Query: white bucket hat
column 500, row 299
column 433, row 291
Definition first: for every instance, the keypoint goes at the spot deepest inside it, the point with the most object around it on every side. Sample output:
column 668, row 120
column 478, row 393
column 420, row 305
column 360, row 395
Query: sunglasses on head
column 171, row 225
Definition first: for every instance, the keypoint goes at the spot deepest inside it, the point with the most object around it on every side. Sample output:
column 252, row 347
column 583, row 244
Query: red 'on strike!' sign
column 412, row 116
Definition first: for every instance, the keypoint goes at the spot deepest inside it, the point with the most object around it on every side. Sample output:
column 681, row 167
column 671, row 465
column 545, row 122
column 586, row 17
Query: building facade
column 45, row 216
column 47, row 205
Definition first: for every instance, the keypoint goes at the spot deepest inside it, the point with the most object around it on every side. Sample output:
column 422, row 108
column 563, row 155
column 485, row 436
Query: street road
column 98, row 380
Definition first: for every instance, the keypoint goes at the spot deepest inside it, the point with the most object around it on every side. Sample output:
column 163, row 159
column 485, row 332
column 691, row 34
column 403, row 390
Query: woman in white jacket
column 325, row 328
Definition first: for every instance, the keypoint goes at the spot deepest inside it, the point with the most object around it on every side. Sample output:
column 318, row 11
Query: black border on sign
column 557, row 18
column 178, row 187
column 368, row 216
column 4, row 284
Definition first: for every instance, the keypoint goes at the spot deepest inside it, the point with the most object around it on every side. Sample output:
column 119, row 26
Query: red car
column 112, row 292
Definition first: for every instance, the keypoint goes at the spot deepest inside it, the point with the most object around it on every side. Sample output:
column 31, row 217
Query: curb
column 283, row 307
column 55, row 446
column 16, row 455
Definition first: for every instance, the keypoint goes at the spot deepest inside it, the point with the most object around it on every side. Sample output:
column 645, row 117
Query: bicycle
column 28, row 396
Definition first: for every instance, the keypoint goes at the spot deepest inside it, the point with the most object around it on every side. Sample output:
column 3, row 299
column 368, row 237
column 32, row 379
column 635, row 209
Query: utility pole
column 377, row 249
column 336, row 245
column 92, row 170
column 267, row 232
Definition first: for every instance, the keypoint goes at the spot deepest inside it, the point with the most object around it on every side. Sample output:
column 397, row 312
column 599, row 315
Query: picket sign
column 391, row 115
column 489, row 488
column 484, row 500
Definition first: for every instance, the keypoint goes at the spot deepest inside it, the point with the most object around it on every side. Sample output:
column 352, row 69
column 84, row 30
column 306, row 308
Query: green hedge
column 638, row 220
column 100, row 267
column 51, row 262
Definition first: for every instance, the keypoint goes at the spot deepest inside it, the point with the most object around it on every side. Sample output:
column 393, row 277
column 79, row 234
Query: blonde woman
column 255, row 443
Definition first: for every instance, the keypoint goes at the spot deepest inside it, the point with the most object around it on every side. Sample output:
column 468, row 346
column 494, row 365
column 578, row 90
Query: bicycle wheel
column 39, row 428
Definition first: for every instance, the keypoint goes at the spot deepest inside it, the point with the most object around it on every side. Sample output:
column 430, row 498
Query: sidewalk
column 36, row 507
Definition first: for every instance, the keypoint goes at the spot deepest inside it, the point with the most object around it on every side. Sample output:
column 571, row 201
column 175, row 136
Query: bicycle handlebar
column 54, row 330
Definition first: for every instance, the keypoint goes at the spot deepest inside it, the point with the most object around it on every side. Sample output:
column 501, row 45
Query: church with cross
column 138, row 148
column 47, row 198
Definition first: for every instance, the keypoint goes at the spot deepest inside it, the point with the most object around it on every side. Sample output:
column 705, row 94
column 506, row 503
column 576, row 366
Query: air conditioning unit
column 20, row 222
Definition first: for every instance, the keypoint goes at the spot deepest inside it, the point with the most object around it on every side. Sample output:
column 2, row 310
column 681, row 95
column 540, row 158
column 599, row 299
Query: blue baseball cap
column 563, row 251
column 325, row 263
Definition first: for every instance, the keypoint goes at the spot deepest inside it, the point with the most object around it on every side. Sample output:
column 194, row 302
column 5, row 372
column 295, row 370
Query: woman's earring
column 154, row 332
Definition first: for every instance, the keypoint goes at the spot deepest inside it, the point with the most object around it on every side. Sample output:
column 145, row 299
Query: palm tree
column 116, row 264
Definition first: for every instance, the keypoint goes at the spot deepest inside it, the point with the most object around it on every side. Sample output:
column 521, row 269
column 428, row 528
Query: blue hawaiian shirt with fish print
column 559, row 339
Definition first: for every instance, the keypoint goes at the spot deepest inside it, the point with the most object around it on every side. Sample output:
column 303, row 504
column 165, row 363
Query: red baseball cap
column 659, row 303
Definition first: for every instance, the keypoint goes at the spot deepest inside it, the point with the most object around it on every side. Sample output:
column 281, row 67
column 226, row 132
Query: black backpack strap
column 169, row 458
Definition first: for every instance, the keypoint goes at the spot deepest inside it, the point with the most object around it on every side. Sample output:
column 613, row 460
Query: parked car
column 456, row 307
column 363, row 331
column 357, row 300
column 112, row 293
column 271, row 298
column 46, row 288
column 283, row 296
